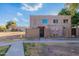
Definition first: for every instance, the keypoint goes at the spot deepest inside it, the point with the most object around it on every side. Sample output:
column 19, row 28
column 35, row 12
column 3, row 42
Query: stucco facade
column 77, row 31
column 32, row 33
column 53, row 25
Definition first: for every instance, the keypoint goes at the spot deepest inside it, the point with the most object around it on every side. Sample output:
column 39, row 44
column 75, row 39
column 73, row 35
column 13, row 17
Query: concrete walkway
column 52, row 41
column 16, row 49
column 59, row 40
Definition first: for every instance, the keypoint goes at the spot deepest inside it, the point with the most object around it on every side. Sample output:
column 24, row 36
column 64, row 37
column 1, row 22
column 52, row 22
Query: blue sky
column 20, row 12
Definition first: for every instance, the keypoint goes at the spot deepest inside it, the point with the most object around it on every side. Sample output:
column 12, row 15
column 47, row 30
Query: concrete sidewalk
column 52, row 40
column 16, row 49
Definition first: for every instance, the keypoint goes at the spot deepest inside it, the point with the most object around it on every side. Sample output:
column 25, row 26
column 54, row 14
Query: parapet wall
column 32, row 33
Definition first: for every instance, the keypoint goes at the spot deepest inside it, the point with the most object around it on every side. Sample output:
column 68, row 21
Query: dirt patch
column 11, row 35
column 53, row 50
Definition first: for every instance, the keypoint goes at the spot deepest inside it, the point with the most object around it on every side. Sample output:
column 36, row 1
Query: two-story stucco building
column 49, row 26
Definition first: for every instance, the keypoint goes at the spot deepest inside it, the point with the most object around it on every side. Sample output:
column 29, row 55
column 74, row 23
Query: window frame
column 45, row 21
column 55, row 20
column 65, row 21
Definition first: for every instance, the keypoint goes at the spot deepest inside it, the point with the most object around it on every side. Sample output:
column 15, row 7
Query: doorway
column 73, row 32
column 41, row 31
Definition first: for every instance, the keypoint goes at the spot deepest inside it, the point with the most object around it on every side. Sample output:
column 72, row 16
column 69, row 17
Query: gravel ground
column 61, row 50
column 69, row 49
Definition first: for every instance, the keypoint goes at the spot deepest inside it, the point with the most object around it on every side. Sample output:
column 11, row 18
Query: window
column 55, row 21
column 65, row 21
column 45, row 21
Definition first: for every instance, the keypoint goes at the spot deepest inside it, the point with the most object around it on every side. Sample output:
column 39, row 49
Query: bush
column 2, row 28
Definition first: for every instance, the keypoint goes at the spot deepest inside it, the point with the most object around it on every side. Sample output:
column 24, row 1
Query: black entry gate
column 41, row 31
column 73, row 32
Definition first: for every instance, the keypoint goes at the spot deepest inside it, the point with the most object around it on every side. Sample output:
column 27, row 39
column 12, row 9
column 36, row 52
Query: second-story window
column 45, row 21
column 65, row 21
column 55, row 21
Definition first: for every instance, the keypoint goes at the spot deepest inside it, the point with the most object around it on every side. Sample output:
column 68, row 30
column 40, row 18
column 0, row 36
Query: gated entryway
column 41, row 31
column 73, row 32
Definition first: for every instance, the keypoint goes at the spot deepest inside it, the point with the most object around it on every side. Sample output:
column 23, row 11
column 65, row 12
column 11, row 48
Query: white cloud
column 19, row 14
column 15, row 19
column 31, row 8
column 19, row 19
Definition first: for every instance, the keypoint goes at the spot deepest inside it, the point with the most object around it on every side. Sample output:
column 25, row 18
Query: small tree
column 75, row 18
column 10, row 23
column 2, row 28
column 64, row 12
column 72, row 7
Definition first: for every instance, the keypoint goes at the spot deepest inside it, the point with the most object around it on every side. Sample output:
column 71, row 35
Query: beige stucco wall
column 77, row 32
column 49, row 33
column 36, row 21
column 67, row 32
column 32, row 33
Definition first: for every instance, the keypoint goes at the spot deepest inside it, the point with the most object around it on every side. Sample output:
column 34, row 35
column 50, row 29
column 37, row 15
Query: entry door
column 74, row 31
column 41, row 31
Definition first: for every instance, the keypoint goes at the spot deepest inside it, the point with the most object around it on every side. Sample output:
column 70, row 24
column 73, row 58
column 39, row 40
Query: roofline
column 51, row 15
